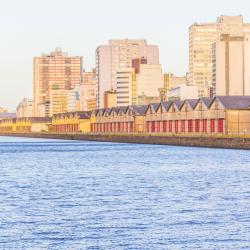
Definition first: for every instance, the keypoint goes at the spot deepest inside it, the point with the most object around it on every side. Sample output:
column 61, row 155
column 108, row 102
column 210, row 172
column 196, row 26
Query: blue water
column 88, row 195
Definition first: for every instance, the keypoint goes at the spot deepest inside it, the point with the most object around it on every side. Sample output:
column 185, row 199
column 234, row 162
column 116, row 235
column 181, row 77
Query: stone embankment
column 211, row 142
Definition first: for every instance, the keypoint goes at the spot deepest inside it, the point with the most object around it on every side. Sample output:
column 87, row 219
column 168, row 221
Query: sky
column 31, row 27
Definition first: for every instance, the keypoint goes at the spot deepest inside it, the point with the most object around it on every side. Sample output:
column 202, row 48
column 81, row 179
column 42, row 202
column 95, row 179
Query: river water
column 58, row 194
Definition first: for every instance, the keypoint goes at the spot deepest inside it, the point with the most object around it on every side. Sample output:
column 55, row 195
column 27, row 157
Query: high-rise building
column 231, row 65
column 117, row 56
column 126, row 87
column 88, row 91
column 25, row 108
column 201, row 38
column 140, row 83
column 56, row 71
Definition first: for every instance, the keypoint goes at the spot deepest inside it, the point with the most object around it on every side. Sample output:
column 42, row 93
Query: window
column 164, row 126
column 204, row 126
column 190, row 126
column 197, row 126
column 153, row 126
column 183, row 126
column 220, row 125
column 176, row 126
column 212, row 125
column 170, row 126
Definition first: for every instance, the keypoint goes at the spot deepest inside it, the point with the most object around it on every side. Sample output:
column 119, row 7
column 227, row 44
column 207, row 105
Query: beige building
column 231, row 65
column 88, row 91
column 149, row 80
column 117, row 56
column 56, row 71
column 201, row 38
column 25, row 108
column 126, row 87
column 62, row 101
column 140, row 84
column 110, row 99
column 171, row 81
column 183, row 92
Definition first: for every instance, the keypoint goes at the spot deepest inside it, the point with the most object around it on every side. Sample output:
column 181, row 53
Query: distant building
column 110, row 99
column 88, row 91
column 201, row 38
column 171, row 81
column 139, row 84
column 7, row 116
column 149, row 81
column 56, row 71
column 117, row 56
column 25, row 108
column 3, row 110
column 126, row 87
column 231, row 65
column 62, row 101
column 183, row 92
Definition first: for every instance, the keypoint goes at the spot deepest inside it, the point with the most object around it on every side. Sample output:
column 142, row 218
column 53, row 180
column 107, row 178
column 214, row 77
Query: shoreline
column 187, row 141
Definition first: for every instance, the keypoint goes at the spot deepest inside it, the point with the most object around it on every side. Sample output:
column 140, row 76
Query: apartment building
column 56, row 70
column 201, row 39
column 140, row 84
column 231, row 65
column 117, row 56
column 88, row 91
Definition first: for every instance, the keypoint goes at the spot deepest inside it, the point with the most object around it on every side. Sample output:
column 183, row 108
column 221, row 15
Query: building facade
column 62, row 101
column 110, row 99
column 171, row 81
column 57, row 71
column 231, row 65
column 116, row 57
column 183, row 92
column 25, row 108
column 140, row 84
column 201, row 38
column 88, row 91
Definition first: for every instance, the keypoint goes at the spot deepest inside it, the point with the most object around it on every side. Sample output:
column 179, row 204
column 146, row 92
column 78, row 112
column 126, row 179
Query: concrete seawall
column 211, row 142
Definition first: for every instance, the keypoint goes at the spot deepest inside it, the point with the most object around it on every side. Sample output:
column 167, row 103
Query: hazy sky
column 30, row 27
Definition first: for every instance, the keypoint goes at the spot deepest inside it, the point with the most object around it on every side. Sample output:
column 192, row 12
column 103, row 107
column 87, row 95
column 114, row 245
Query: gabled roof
column 40, row 119
column 115, row 110
column 153, row 107
column 101, row 112
column 206, row 101
column 107, row 111
column 35, row 119
column 166, row 105
column 233, row 102
column 84, row 114
column 178, row 104
column 138, row 109
column 191, row 102
column 94, row 112
column 123, row 109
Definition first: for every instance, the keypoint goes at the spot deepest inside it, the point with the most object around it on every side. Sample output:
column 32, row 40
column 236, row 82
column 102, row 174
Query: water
column 88, row 195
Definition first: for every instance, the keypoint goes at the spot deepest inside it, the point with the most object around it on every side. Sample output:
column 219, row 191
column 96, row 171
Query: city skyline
column 26, row 37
